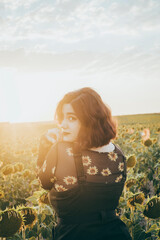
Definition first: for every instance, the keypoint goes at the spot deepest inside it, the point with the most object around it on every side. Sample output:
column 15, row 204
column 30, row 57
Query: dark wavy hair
column 98, row 126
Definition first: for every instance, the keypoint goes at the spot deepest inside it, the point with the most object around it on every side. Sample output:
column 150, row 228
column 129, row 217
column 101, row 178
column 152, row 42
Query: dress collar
column 106, row 148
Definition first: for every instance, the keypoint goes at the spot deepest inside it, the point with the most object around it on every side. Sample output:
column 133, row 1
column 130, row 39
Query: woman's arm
column 46, row 173
column 44, row 148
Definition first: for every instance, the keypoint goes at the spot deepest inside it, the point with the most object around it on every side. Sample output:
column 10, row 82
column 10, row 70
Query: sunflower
column 70, row 180
column 130, row 182
column 131, row 161
column 106, row 172
column 26, row 173
column 86, row 160
column 8, row 169
column 18, row 167
column 92, row 170
column 121, row 166
column 11, row 221
column 154, row 140
column 69, row 151
column 136, row 198
column 52, row 180
column 30, row 216
column 119, row 178
column 148, row 142
column 113, row 156
column 152, row 208
column 60, row 188
column 43, row 199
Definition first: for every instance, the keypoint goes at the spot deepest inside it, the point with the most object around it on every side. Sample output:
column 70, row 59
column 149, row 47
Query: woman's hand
column 54, row 135
column 46, row 142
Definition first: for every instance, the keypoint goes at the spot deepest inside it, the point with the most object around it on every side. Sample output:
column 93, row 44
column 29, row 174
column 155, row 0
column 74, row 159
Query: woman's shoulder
column 70, row 148
column 63, row 148
column 119, row 150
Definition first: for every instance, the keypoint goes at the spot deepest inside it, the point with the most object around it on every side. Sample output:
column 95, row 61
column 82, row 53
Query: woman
column 83, row 170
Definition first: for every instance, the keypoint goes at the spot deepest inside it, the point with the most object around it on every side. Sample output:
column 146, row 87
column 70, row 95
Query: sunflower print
column 44, row 166
column 52, row 180
column 113, row 156
column 70, row 180
column 118, row 179
column 92, row 170
column 121, row 166
column 86, row 160
column 69, row 151
column 53, row 170
column 106, row 172
column 60, row 188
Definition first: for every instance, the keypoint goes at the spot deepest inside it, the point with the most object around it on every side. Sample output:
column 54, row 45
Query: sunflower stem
column 147, row 225
column 132, row 220
column 125, row 192
column 38, row 223
column 23, row 233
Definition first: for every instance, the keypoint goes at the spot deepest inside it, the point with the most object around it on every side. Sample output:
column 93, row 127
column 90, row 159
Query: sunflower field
column 25, row 212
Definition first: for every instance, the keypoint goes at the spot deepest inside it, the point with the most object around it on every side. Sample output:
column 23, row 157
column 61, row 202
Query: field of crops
column 24, row 209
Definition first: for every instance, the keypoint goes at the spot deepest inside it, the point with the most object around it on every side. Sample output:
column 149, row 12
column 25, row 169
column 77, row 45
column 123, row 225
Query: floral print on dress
column 44, row 166
column 53, row 170
column 69, row 151
column 106, row 172
column 92, row 170
column 70, row 180
column 121, row 166
column 112, row 156
column 52, row 180
column 60, row 188
column 86, row 160
column 119, row 178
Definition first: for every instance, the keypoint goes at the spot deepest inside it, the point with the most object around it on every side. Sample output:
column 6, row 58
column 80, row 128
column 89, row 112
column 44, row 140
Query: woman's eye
column 71, row 118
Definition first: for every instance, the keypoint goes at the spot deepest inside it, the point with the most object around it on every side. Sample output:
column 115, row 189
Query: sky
column 51, row 47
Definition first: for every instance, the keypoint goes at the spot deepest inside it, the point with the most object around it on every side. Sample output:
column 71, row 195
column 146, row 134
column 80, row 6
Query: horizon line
column 53, row 121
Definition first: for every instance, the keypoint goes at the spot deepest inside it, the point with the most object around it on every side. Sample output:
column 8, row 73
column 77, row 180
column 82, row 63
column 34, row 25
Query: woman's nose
column 64, row 124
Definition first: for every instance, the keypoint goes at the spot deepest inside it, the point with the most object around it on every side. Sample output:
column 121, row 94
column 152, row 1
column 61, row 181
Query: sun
column 27, row 101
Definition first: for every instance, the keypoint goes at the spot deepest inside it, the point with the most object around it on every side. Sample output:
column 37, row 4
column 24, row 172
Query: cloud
column 16, row 4
column 72, row 21
column 127, row 64
column 44, row 62
column 89, row 36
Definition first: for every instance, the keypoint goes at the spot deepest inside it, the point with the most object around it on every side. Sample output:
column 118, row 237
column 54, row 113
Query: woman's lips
column 65, row 133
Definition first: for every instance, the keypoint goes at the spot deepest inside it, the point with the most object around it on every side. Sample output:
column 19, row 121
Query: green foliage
column 20, row 187
column 138, row 233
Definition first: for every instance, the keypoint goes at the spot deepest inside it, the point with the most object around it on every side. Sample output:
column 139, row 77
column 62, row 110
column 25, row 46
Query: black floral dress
column 85, row 188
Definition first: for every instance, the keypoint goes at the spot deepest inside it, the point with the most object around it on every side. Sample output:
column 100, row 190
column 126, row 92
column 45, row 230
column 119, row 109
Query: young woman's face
column 70, row 124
